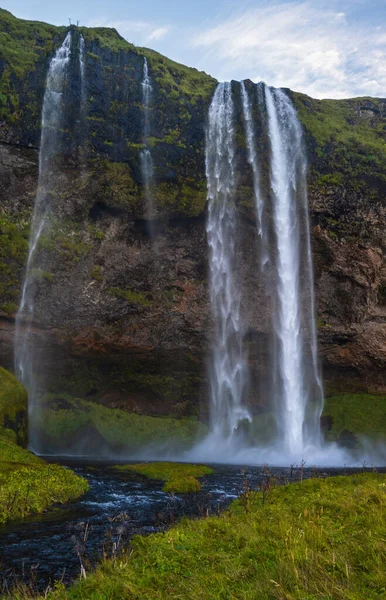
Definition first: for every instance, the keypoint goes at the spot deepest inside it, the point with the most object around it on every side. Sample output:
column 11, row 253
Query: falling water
column 26, row 358
column 145, row 156
column 297, row 383
column 82, row 65
column 228, row 367
column 252, row 156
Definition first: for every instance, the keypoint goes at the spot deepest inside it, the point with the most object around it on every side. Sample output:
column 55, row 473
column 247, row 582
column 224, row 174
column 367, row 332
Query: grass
column 63, row 417
column 178, row 477
column 27, row 484
column 322, row 539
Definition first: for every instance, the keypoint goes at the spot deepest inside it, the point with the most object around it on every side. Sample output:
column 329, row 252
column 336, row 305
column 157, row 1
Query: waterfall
column 228, row 367
column 145, row 156
column 82, row 65
column 297, row 384
column 26, row 358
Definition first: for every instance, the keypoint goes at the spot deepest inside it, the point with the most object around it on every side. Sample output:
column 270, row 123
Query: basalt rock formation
column 123, row 315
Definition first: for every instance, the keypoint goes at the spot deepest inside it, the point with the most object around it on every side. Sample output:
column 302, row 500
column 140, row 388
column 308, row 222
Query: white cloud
column 158, row 33
column 137, row 32
column 299, row 45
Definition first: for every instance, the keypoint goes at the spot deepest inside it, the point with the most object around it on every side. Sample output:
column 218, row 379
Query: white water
column 252, row 156
column 296, row 388
column 228, row 365
column 145, row 156
column 297, row 383
column 82, row 64
column 26, row 359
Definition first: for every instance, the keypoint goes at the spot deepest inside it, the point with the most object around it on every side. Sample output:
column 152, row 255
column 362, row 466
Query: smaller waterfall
column 82, row 65
column 145, row 156
column 228, row 368
column 297, row 385
column 26, row 359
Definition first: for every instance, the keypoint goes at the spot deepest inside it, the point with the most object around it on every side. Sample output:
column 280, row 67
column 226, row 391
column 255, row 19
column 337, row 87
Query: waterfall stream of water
column 228, row 364
column 145, row 156
column 297, row 391
column 29, row 365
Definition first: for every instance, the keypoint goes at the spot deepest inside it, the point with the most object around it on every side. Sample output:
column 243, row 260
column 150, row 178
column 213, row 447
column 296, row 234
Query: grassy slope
column 178, row 477
column 22, row 45
column 347, row 148
column 65, row 416
column 316, row 540
column 27, row 484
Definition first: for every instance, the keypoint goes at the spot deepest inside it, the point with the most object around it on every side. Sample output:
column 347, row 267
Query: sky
column 327, row 49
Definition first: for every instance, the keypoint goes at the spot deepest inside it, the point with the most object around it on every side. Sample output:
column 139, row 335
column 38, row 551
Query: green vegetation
column 13, row 408
column 356, row 415
column 63, row 417
column 321, row 539
column 96, row 273
column 13, row 254
column 23, row 44
column 131, row 296
column 178, row 477
column 347, row 142
column 27, row 484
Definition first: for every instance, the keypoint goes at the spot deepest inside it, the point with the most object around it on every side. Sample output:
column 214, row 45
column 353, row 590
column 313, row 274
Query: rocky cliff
column 123, row 317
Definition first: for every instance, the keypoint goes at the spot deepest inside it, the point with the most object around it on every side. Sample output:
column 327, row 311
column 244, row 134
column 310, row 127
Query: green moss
column 27, row 484
column 115, row 184
column 178, row 477
column 13, row 406
column 317, row 540
column 96, row 273
column 41, row 275
column 137, row 298
column 13, row 255
column 62, row 417
column 358, row 414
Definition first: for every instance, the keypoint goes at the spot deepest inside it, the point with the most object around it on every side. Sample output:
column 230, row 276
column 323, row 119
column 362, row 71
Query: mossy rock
column 13, row 407
column 351, row 416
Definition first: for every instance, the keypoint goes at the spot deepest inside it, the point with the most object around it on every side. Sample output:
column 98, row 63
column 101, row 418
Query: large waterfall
column 297, row 390
column 145, row 156
column 294, row 394
column 228, row 364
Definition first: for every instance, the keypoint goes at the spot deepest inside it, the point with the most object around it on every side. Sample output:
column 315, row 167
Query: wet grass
column 322, row 539
column 178, row 477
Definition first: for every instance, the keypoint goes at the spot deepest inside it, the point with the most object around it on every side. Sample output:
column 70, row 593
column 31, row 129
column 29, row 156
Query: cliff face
column 123, row 319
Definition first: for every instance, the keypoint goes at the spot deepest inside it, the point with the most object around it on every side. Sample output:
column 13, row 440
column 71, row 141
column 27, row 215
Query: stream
column 57, row 544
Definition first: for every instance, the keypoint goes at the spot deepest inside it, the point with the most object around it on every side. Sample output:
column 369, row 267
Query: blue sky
column 327, row 49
